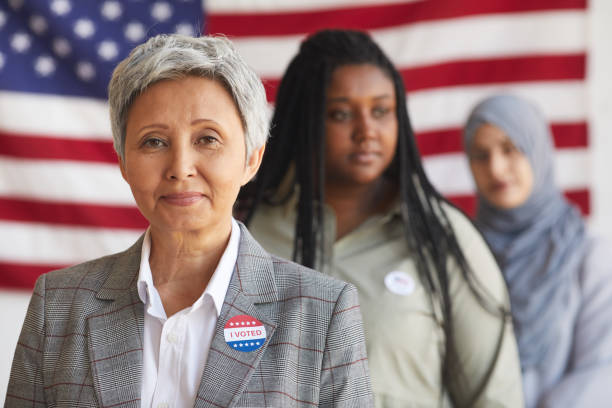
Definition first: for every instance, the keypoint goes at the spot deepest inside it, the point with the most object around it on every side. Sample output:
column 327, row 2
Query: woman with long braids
column 342, row 189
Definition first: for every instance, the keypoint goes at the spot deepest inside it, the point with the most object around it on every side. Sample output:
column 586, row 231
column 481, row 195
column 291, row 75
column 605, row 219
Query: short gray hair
column 174, row 56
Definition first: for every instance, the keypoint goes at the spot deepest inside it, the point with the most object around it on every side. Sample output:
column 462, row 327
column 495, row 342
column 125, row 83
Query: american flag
column 62, row 199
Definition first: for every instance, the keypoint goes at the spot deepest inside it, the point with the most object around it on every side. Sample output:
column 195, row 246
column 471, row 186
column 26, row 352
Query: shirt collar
column 216, row 288
column 219, row 282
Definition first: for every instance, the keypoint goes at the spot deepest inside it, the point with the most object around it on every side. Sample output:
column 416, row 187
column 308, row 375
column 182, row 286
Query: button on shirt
column 175, row 349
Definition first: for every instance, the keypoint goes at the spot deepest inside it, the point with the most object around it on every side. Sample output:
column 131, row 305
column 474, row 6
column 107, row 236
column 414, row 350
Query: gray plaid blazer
column 81, row 342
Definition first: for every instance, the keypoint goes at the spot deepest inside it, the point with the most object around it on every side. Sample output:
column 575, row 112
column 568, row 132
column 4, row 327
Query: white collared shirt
column 175, row 349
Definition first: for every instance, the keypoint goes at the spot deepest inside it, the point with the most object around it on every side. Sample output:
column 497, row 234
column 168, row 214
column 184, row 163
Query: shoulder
column 465, row 231
column 291, row 276
column 598, row 249
column 86, row 274
column 291, row 280
column 485, row 269
column 90, row 276
column 596, row 270
column 274, row 228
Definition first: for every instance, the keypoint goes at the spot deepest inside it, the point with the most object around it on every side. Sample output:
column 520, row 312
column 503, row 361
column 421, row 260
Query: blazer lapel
column 228, row 371
column 115, row 334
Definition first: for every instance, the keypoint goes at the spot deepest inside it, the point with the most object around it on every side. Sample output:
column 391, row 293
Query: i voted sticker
column 244, row 333
column 400, row 283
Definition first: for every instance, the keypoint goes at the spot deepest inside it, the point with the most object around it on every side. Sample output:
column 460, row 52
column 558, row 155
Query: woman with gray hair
column 559, row 276
column 195, row 313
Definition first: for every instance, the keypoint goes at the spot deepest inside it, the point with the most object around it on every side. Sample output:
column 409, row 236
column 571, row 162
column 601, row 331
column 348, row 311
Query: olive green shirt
column 404, row 338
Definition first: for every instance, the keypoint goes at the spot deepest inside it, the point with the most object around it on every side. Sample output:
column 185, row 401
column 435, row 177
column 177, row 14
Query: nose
column 365, row 128
column 181, row 163
column 498, row 165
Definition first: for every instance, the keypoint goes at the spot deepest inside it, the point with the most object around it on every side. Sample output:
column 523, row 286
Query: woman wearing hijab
column 342, row 188
column 195, row 313
column 559, row 277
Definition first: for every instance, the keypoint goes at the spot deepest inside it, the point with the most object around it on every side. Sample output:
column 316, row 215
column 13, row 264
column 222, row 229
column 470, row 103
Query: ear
column 253, row 164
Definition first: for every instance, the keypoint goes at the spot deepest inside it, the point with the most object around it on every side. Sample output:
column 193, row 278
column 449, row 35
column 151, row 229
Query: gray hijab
column 540, row 244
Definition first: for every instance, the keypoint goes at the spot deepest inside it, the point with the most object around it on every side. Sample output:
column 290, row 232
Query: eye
column 207, row 140
column 509, row 148
column 380, row 111
column 339, row 115
column 479, row 155
column 153, row 143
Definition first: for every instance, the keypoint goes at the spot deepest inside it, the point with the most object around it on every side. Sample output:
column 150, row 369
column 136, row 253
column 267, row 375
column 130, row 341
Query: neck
column 182, row 263
column 353, row 204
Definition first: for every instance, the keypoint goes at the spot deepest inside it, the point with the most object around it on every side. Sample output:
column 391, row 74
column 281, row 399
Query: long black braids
column 297, row 144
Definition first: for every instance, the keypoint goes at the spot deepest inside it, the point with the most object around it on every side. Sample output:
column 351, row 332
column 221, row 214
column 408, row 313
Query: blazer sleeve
column 26, row 387
column 345, row 375
column 587, row 380
column 486, row 347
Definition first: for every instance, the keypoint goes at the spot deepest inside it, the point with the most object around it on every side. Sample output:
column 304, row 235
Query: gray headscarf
column 541, row 244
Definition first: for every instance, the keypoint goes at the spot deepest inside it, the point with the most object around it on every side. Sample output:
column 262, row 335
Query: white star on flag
column 84, row 28
column 60, row 7
column 21, row 42
column 61, row 47
column 161, row 11
column 44, row 65
column 134, row 31
column 111, row 10
column 85, row 70
column 38, row 24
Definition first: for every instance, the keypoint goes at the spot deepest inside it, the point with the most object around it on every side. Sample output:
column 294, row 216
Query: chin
column 365, row 179
column 507, row 203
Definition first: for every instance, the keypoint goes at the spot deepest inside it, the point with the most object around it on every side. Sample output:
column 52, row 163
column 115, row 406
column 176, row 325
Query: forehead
column 489, row 136
column 360, row 80
column 185, row 98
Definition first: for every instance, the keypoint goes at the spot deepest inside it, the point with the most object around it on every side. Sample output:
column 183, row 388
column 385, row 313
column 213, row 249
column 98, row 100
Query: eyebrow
column 153, row 125
column 196, row 121
column 162, row 126
column 345, row 99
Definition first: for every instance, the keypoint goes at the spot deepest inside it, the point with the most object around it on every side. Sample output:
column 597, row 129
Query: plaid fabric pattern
column 81, row 343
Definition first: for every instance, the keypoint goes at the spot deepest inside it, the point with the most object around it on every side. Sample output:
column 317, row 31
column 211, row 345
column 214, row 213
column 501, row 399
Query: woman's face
column 360, row 125
column 185, row 154
column 502, row 173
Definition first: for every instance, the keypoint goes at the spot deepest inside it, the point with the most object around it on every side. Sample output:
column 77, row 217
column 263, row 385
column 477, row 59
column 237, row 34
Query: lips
column 365, row 156
column 499, row 186
column 183, row 199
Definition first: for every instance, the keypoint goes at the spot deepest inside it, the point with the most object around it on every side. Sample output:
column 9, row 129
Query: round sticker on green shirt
column 399, row 282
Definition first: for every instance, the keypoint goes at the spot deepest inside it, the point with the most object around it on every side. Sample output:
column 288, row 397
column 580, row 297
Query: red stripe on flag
column 42, row 147
column 580, row 198
column 496, row 70
column 253, row 24
column 483, row 71
column 566, row 135
column 88, row 215
column 18, row 275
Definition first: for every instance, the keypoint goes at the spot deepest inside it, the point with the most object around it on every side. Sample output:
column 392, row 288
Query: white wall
column 599, row 74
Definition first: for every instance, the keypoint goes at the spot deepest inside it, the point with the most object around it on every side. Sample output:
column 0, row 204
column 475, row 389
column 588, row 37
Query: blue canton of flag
column 70, row 47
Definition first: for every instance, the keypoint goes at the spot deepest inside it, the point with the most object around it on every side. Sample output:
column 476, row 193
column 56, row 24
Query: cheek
column 335, row 130
column 141, row 175
column 224, row 176
column 390, row 137
column 525, row 175
column 335, row 145
column 480, row 175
